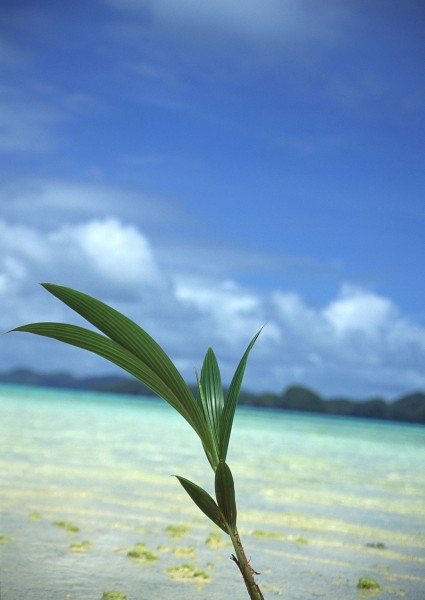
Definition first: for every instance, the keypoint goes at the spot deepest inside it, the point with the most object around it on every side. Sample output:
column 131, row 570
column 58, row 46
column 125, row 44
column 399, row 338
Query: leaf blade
column 138, row 342
column 225, row 493
column 126, row 333
column 228, row 413
column 106, row 348
column 211, row 393
column 204, row 502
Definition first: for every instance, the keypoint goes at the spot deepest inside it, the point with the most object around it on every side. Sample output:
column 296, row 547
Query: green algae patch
column 189, row 574
column 141, row 552
column 301, row 541
column 80, row 547
column 260, row 533
column 114, row 595
column 368, row 583
column 67, row 526
column 5, row 539
column 177, row 531
column 35, row 516
column 215, row 541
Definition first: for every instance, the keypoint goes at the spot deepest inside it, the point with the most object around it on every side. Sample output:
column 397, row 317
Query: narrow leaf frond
column 139, row 343
column 232, row 397
column 211, row 390
column 106, row 348
column 126, row 333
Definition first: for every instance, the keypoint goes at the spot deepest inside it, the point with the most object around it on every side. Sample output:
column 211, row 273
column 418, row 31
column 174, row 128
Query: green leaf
column 211, row 393
column 204, row 501
column 158, row 369
column 128, row 335
column 106, row 348
column 225, row 493
column 228, row 413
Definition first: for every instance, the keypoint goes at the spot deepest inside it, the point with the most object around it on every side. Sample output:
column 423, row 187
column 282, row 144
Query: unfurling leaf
column 225, row 493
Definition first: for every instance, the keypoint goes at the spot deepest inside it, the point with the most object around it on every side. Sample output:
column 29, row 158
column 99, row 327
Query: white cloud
column 358, row 343
column 231, row 311
column 11, row 270
column 24, row 242
column 361, row 311
column 358, row 335
column 105, row 255
column 118, row 253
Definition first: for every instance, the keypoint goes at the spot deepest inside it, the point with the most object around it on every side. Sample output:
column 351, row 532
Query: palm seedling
column 210, row 413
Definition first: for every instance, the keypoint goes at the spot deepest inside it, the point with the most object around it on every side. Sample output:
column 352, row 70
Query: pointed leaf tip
column 228, row 413
column 204, row 501
column 211, row 394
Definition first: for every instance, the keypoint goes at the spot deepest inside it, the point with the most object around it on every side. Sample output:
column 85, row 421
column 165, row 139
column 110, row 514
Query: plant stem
column 245, row 568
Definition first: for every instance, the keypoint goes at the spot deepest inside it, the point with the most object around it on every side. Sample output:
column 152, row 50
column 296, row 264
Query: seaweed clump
column 368, row 583
column 114, row 595
column 35, row 516
column 215, row 541
column 5, row 539
column 80, row 546
column 188, row 573
column 177, row 531
column 142, row 552
column 67, row 526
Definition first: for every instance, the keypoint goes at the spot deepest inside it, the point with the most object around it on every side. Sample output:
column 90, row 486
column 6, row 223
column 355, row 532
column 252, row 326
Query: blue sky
column 207, row 167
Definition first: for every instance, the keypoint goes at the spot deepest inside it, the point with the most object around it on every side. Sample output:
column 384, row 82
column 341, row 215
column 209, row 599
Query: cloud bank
column 358, row 343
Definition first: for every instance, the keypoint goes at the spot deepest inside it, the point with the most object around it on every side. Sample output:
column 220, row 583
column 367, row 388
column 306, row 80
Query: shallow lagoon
column 322, row 502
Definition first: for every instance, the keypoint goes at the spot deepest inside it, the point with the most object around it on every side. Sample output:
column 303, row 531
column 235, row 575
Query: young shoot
column 210, row 413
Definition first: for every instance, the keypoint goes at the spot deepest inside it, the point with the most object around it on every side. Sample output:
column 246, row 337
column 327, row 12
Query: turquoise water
column 322, row 501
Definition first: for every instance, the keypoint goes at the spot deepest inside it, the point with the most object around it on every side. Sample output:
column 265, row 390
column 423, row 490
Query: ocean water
column 322, row 501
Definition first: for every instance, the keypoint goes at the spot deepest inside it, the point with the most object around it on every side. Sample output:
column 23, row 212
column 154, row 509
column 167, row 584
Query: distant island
column 408, row 408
